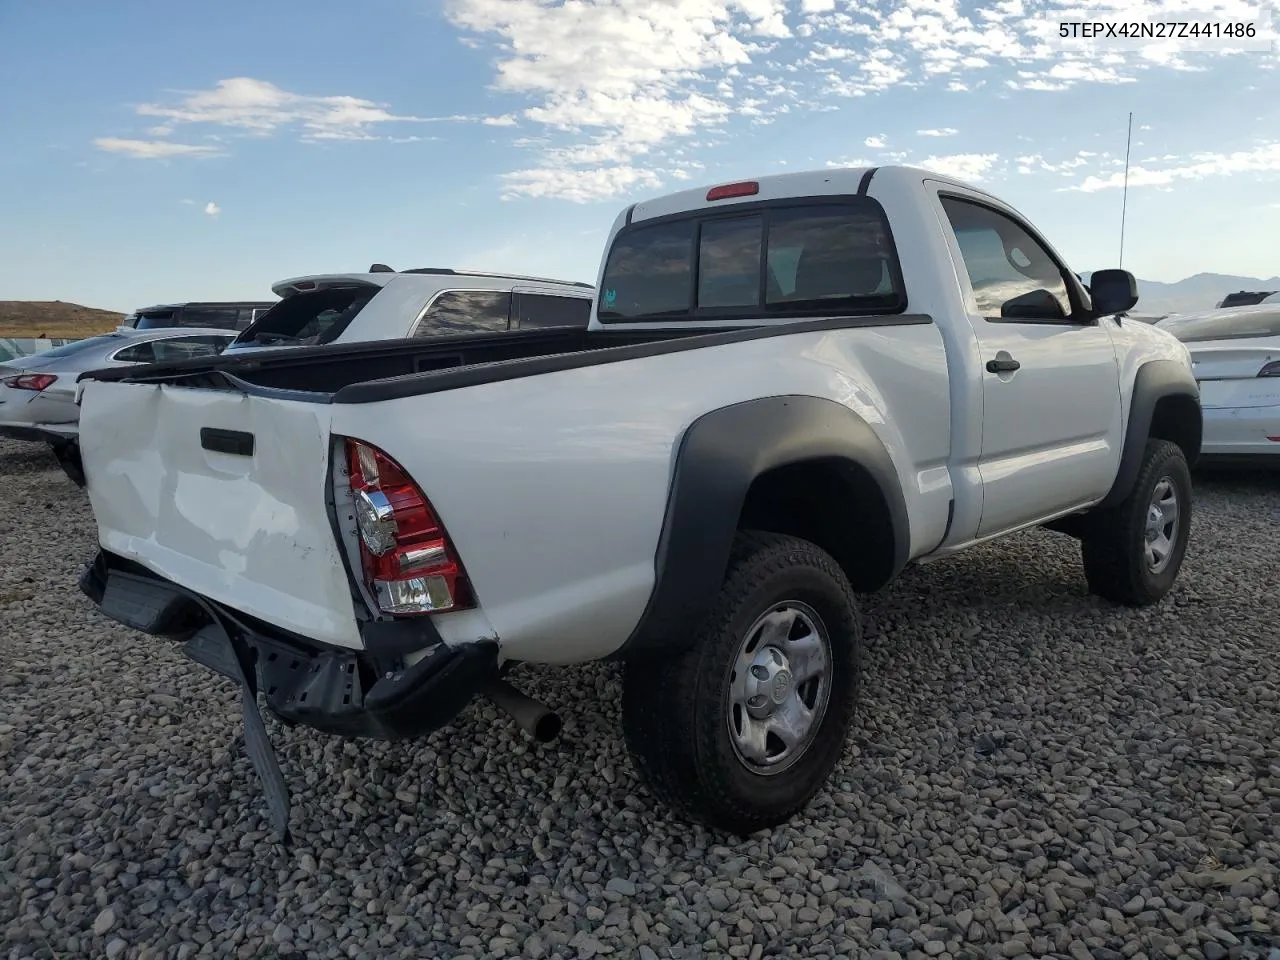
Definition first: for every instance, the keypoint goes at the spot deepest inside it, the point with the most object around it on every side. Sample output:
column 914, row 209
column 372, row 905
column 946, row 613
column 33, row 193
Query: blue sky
column 160, row 151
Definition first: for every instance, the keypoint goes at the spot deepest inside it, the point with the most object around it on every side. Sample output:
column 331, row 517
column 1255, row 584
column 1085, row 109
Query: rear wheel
column 1132, row 552
column 741, row 730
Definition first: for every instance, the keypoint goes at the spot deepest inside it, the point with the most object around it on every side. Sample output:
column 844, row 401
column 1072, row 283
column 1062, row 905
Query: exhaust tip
column 536, row 719
column 547, row 727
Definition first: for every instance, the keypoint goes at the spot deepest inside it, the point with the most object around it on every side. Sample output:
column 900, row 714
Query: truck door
column 1052, row 427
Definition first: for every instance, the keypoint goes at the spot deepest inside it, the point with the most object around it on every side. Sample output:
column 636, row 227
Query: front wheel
column 1132, row 552
column 741, row 731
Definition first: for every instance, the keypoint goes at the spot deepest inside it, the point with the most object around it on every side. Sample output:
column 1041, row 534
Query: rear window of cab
column 799, row 258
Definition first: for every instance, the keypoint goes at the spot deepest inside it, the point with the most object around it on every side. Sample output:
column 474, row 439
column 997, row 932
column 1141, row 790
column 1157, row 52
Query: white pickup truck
column 791, row 388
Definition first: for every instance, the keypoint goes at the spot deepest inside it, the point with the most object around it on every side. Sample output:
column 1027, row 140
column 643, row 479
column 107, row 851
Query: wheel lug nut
column 756, row 701
column 759, row 672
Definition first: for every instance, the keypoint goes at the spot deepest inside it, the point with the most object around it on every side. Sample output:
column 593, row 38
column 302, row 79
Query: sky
column 156, row 152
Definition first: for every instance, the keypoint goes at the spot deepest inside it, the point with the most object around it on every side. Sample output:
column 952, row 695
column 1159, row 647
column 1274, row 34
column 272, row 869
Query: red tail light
column 747, row 188
column 407, row 559
column 30, row 381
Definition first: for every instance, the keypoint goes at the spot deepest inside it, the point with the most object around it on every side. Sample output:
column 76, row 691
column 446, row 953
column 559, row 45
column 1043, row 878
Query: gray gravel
column 1033, row 773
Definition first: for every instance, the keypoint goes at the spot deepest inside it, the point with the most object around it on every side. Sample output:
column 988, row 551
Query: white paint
column 553, row 487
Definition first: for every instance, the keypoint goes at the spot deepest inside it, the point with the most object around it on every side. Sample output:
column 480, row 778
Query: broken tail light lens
column 408, row 561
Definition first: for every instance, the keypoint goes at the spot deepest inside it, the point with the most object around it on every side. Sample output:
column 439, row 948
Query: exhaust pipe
column 534, row 718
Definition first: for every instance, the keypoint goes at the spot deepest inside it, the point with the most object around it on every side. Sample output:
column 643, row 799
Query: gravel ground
column 1033, row 773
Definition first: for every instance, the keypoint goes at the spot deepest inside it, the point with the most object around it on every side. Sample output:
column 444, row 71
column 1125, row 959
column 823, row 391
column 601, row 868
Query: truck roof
column 805, row 183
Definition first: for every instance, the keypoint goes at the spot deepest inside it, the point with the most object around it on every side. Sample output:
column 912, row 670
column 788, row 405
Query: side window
column 225, row 317
column 1014, row 277
column 138, row 353
column 465, row 311
column 544, row 310
column 186, row 348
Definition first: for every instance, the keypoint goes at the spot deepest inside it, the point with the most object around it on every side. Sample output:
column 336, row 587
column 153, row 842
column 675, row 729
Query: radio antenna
column 1124, row 202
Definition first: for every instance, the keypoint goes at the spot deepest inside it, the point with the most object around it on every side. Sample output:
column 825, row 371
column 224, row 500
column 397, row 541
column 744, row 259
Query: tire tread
column 674, row 753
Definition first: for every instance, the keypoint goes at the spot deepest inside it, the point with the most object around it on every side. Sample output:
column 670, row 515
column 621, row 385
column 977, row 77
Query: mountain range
column 1199, row 292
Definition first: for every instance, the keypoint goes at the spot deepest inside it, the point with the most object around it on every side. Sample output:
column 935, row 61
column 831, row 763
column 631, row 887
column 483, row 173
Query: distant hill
column 54, row 318
column 1199, row 292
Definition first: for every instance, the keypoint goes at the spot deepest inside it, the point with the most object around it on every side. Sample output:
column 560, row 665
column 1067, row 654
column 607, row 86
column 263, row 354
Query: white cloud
column 212, row 209
column 1263, row 159
column 876, row 143
column 962, row 166
column 153, row 149
column 941, row 132
column 251, row 107
column 506, row 120
column 189, row 202
column 579, row 184
column 621, row 76
column 619, row 83
column 260, row 107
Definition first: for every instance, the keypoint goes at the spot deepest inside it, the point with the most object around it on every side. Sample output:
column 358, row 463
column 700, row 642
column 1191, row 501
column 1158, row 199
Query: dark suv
column 230, row 315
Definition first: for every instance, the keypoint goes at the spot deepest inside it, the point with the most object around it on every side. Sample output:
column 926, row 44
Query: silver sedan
column 38, row 392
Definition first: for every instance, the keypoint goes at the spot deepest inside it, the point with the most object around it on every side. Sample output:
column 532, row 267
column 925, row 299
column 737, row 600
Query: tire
column 677, row 709
column 1117, row 563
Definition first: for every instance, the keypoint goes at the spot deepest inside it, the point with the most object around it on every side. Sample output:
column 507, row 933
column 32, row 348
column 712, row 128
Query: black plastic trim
column 412, row 385
column 391, row 701
column 238, row 443
column 865, row 183
column 718, row 458
column 1154, row 381
column 147, row 605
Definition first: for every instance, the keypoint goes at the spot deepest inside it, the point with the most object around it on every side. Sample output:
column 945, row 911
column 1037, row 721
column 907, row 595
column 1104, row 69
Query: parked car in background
column 1243, row 298
column 791, row 388
column 1235, row 353
column 228, row 315
column 386, row 304
column 38, row 392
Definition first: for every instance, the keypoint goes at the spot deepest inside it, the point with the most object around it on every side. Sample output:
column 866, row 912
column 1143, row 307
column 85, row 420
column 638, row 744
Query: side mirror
column 1112, row 291
column 1033, row 305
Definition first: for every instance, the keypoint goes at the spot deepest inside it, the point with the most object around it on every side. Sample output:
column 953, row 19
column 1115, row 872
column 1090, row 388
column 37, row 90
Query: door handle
column 1005, row 364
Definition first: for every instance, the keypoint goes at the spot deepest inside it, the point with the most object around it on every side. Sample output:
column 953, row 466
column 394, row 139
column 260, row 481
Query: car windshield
column 1224, row 325
column 67, row 349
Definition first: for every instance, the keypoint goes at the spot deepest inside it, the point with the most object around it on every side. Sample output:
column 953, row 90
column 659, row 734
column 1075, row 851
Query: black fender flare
column 1155, row 380
column 719, row 456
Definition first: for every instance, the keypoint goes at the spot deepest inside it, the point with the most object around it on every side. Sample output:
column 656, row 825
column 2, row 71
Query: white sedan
column 1235, row 355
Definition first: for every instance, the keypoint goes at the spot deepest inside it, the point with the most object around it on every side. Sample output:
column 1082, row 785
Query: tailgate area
column 224, row 494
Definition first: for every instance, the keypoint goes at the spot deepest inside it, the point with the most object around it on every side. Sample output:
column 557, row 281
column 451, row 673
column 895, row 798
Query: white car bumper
column 1241, row 431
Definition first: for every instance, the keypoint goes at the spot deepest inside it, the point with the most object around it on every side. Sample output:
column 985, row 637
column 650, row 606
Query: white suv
column 387, row 304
